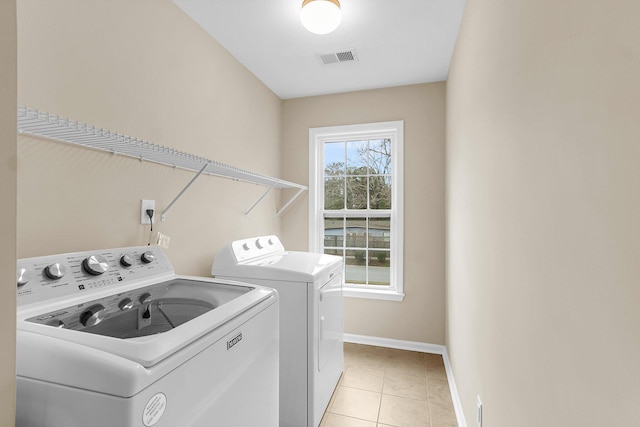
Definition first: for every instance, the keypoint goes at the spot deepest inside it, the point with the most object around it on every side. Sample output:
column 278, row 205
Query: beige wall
column 420, row 317
column 145, row 69
column 8, row 91
column 543, row 155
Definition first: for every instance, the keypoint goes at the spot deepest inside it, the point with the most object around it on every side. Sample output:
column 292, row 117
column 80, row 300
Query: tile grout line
column 384, row 377
column 428, row 398
column 379, row 406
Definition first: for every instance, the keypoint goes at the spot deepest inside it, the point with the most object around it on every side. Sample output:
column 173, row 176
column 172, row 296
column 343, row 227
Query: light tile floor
column 384, row 387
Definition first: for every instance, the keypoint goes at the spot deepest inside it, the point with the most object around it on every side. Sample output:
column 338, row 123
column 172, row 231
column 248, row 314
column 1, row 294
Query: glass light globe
column 321, row 16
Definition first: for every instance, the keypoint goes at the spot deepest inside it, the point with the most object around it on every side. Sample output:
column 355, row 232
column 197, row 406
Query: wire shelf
column 42, row 124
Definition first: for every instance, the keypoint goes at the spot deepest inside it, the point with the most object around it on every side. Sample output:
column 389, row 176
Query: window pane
column 355, row 266
column 379, row 268
column 356, row 192
column 334, row 233
column 380, row 192
column 380, row 156
column 334, row 158
column 356, row 157
column 356, row 229
column 334, row 193
column 379, row 233
column 338, row 252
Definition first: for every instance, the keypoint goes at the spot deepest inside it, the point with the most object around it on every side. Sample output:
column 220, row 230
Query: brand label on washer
column 233, row 341
column 154, row 409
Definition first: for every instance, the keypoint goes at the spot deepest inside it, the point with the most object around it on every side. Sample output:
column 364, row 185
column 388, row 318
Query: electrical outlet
column 144, row 205
column 163, row 240
column 479, row 412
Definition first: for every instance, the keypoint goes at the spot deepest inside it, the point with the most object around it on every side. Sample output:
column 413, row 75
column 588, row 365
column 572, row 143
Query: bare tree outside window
column 364, row 180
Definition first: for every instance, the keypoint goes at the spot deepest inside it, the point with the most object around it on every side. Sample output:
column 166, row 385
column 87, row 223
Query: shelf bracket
column 295, row 196
column 260, row 199
column 164, row 213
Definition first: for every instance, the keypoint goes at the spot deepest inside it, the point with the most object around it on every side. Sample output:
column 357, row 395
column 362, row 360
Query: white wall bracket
column 291, row 200
column 164, row 212
column 260, row 199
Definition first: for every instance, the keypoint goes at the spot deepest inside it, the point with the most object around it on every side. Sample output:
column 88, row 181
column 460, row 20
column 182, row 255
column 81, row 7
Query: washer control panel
column 67, row 275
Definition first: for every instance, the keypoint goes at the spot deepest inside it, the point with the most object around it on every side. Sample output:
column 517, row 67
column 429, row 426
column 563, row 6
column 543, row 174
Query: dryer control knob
column 259, row 244
column 145, row 298
column 93, row 315
column 55, row 271
column 95, row 265
column 125, row 304
column 56, row 323
column 148, row 257
column 126, row 260
column 22, row 277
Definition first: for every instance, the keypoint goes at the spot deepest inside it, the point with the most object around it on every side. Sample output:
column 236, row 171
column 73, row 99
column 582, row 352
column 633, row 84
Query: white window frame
column 393, row 130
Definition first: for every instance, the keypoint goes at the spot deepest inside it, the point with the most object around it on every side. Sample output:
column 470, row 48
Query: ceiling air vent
column 340, row 56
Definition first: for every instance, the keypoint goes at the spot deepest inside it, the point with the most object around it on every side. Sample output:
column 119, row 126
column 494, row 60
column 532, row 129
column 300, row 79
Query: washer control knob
column 56, row 323
column 125, row 304
column 93, row 315
column 145, row 298
column 126, row 260
column 55, row 271
column 95, row 265
column 22, row 277
column 148, row 257
column 245, row 246
column 259, row 244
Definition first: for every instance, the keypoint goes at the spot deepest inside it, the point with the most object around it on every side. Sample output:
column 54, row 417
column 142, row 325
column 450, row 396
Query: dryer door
column 330, row 314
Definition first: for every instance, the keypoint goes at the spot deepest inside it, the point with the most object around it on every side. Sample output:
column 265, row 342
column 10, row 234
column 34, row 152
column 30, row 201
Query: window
column 355, row 204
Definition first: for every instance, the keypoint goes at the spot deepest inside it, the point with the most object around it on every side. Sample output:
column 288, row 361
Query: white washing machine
column 114, row 338
column 311, row 319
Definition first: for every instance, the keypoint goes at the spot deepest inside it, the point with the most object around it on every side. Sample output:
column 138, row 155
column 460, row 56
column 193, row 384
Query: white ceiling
column 398, row 42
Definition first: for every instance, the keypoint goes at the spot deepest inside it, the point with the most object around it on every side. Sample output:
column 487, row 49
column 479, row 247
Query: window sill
column 387, row 295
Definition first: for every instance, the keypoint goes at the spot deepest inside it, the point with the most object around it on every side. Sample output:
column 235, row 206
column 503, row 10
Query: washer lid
column 287, row 266
column 229, row 299
column 123, row 367
column 265, row 258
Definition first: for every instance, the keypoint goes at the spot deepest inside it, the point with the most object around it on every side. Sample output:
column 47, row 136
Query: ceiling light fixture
column 321, row 16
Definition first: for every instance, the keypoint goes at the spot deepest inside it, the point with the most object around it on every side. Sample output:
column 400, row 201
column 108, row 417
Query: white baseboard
column 423, row 348
column 457, row 405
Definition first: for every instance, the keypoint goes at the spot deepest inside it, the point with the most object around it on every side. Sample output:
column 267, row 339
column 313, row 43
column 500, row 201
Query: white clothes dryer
column 311, row 319
column 114, row 338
